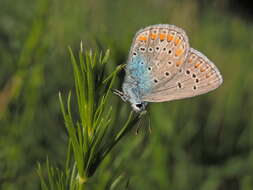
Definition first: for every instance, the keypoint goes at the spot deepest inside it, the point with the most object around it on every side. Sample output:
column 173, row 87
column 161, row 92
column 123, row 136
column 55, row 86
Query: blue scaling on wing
column 138, row 79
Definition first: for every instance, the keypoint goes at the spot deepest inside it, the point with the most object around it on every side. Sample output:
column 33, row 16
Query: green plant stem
column 82, row 181
column 81, row 186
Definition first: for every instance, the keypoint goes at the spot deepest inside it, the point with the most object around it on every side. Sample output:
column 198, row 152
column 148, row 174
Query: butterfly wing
column 160, row 49
column 197, row 76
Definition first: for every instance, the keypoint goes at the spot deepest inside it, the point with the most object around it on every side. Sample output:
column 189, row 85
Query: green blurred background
column 199, row 143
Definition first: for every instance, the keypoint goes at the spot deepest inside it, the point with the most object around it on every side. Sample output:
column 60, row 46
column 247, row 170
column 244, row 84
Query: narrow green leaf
column 130, row 123
column 42, row 180
column 50, row 175
column 116, row 182
column 106, row 57
column 114, row 73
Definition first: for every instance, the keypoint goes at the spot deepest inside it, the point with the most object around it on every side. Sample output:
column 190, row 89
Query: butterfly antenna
column 149, row 123
column 142, row 113
column 138, row 127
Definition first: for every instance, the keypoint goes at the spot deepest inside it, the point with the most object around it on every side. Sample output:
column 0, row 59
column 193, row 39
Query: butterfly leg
column 120, row 94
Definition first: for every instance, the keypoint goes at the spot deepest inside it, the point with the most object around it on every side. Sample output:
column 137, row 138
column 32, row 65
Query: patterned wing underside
column 162, row 46
column 197, row 76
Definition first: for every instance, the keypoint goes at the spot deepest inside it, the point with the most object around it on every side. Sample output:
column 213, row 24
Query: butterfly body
column 162, row 67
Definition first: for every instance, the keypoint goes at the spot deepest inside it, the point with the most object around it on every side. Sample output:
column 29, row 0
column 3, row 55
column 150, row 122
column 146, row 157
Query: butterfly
column 163, row 67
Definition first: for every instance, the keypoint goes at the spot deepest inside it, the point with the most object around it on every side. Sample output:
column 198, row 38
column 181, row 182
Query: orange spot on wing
column 179, row 52
column 178, row 63
column 177, row 41
column 170, row 37
column 197, row 65
column 202, row 69
column 142, row 38
column 153, row 36
column 162, row 36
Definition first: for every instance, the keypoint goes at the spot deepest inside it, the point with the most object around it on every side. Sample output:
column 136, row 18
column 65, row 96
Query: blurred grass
column 199, row 143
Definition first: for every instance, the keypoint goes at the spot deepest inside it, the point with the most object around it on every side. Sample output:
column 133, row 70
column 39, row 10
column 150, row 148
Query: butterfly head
column 139, row 107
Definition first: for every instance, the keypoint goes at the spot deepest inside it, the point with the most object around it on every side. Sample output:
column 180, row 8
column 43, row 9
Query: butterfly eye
column 197, row 80
column 194, row 87
column 164, row 49
column 169, row 62
column 149, row 68
column 157, row 48
column 169, row 51
column 155, row 80
column 150, row 49
column 167, row 73
column 193, row 75
column 138, row 105
column 187, row 72
column 134, row 53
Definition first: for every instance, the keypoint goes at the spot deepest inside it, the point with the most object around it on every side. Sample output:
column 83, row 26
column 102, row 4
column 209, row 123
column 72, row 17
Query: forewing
column 163, row 48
